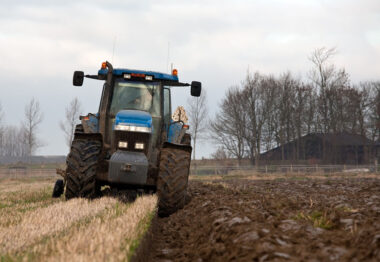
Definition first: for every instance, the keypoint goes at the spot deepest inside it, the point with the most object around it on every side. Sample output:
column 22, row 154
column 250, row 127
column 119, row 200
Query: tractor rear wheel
column 81, row 169
column 172, row 180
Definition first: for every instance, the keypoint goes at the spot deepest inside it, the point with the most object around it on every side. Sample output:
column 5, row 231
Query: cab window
column 167, row 106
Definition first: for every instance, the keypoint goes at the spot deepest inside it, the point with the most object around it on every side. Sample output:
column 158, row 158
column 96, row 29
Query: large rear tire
column 172, row 180
column 81, row 169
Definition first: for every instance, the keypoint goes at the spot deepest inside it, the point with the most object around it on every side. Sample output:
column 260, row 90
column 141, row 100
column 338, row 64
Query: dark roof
column 344, row 139
column 339, row 139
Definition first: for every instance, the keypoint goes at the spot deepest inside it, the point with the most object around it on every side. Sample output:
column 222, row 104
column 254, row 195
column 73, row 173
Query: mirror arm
column 92, row 76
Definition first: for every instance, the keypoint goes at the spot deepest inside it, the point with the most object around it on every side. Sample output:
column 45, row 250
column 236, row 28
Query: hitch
column 61, row 172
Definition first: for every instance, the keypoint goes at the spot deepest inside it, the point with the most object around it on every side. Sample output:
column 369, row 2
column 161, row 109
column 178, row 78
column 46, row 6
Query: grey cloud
column 213, row 41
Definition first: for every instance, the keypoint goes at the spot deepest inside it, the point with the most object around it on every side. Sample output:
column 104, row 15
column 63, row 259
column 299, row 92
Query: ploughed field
column 230, row 218
column 292, row 219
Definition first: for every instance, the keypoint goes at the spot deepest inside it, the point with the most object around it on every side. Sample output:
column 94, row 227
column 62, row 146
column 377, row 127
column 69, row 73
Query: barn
column 318, row 148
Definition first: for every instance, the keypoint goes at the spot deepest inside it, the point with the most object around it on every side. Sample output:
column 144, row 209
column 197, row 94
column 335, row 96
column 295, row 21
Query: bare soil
column 273, row 220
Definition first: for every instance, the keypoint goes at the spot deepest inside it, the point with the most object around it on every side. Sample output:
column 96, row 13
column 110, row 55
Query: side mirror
column 196, row 88
column 78, row 78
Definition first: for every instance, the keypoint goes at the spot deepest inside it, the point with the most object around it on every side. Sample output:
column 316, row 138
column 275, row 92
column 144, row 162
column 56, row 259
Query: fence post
column 266, row 169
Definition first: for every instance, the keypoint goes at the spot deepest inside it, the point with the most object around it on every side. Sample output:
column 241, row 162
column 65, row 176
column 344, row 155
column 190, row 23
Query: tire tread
column 172, row 180
column 81, row 169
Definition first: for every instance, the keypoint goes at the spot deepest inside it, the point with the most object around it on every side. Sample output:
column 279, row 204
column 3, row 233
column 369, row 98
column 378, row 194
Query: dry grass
column 205, row 177
column 46, row 221
column 8, row 186
column 18, row 197
column 35, row 227
column 106, row 238
column 317, row 218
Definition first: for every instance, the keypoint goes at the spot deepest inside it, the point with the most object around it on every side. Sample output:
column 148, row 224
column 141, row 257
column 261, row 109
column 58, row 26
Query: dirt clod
column 277, row 220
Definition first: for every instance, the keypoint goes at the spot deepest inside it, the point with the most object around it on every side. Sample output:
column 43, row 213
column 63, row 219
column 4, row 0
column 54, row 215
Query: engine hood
column 133, row 118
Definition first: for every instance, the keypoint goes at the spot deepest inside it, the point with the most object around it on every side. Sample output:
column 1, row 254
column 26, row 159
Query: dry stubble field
column 230, row 218
column 36, row 227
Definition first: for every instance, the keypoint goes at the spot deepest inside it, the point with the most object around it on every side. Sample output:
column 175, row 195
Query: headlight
column 123, row 144
column 139, row 146
column 141, row 129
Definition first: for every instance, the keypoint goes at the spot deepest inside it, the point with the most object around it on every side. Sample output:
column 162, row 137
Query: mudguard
column 186, row 148
column 90, row 123
column 92, row 136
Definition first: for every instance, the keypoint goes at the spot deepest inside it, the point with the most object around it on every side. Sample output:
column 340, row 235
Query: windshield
column 136, row 96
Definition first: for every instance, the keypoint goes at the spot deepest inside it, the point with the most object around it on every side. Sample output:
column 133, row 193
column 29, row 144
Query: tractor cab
column 129, row 95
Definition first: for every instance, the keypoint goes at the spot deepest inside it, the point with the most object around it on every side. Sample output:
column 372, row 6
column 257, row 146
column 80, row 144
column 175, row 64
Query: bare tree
column 14, row 143
column 323, row 72
column 33, row 118
column 72, row 114
column 328, row 79
column 1, row 130
column 198, row 114
column 377, row 106
column 372, row 109
column 1, row 114
column 219, row 154
column 258, row 101
column 228, row 127
column 267, row 111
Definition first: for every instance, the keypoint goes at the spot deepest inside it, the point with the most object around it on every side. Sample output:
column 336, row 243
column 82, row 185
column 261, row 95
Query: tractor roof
column 133, row 72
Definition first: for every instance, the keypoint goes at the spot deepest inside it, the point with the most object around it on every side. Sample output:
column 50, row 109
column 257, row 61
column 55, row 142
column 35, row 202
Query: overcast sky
column 43, row 41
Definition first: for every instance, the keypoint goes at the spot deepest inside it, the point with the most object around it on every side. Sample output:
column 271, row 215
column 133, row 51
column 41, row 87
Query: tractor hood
column 133, row 118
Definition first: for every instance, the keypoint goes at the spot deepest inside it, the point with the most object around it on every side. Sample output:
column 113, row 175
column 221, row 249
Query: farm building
column 317, row 148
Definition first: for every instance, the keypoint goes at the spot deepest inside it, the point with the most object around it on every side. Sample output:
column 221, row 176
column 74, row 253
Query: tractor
column 133, row 142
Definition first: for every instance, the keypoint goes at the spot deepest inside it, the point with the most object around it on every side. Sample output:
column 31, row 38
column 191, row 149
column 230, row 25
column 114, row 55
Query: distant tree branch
column 72, row 113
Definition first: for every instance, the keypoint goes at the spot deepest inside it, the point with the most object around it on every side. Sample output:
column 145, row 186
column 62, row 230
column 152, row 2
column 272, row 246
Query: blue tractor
column 132, row 143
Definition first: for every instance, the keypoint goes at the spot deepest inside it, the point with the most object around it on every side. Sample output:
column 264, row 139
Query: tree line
column 267, row 111
column 23, row 140
column 262, row 113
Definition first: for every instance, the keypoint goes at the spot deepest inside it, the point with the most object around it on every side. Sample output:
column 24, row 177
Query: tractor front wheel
column 172, row 180
column 81, row 169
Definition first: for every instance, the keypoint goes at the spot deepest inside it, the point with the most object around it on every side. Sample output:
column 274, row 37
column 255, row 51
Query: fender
column 92, row 136
column 186, row 148
column 90, row 123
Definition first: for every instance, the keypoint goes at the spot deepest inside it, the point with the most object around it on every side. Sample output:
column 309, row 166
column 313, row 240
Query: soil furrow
column 277, row 220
